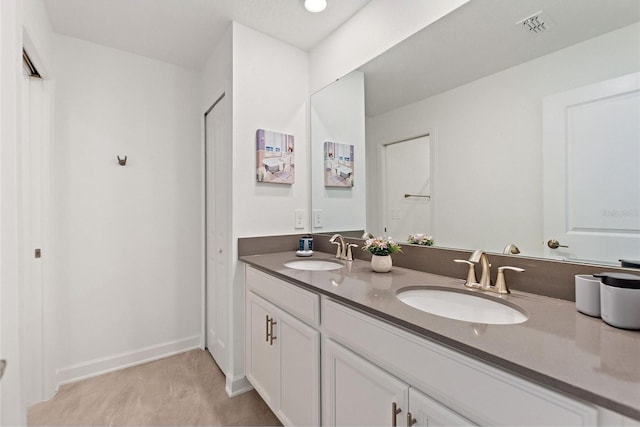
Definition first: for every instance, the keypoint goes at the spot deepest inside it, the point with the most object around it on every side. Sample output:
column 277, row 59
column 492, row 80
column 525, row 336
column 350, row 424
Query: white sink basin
column 461, row 306
column 313, row 265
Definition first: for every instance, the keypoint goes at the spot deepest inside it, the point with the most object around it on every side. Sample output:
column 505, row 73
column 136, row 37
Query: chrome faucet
column 343, row 251
column 479, row 256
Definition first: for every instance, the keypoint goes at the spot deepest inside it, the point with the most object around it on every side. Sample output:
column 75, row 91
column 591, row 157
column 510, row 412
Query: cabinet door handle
column 266, row 327
column 271, row 336
column 394, row 414
column 410, row 420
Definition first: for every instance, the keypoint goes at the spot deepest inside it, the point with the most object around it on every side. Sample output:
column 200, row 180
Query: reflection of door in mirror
column 407, row 198
column 592, row 171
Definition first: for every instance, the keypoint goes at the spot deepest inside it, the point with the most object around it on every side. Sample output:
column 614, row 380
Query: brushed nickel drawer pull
column 266, row 327
column 394, row 414
column 271, row 336
column 410, row 420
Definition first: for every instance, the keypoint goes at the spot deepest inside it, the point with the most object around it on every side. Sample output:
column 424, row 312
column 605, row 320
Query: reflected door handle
column 554, row 244
column 3, row 365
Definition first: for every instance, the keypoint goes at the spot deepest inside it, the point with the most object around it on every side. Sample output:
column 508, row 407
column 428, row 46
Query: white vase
column 381, row 263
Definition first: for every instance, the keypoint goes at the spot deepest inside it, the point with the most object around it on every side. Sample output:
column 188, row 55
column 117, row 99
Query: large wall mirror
column 505, row 122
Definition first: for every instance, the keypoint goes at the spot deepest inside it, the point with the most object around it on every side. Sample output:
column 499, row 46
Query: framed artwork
column 338, row 165
column 274, row 157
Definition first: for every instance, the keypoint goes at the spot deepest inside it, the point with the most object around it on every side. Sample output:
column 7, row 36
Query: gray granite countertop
column 557, row 346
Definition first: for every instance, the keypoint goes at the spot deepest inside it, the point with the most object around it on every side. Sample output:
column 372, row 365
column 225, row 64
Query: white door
column 591, row 171
column 358, row 393
column 262, row 352
column 299, row 346
column 407, row 201
column 424, row 411
column 217, row 229
column 32, row 172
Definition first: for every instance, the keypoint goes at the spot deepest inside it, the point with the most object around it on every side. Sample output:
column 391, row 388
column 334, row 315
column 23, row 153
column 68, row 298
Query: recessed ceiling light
column 315, row 6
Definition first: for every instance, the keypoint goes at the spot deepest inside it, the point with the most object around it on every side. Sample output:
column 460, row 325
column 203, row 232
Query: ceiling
column 185, row 32
column 481, row 38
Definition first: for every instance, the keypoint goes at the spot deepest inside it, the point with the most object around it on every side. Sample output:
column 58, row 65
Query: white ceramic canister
column 305, row 243
column 620, row 299
column 588, row 294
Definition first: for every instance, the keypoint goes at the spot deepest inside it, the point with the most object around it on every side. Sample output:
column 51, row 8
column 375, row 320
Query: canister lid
column 620, row 280
column 630, row 263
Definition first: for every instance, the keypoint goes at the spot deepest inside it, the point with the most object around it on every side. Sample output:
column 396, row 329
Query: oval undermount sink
column 314, row 265
column 461, row 306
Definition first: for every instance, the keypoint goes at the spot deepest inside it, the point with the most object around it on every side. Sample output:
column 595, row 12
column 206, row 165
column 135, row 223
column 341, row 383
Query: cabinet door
column 427, row 412
column 261, row 353
column 299, row 371
column 358, row 393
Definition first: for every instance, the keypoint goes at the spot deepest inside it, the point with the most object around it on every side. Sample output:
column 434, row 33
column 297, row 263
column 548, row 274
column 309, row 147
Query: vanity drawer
column 298, row 302
column 478, row 391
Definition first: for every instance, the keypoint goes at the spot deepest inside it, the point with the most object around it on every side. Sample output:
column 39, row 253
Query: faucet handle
column 501, row 283
column 471, row 274
column 349, row 251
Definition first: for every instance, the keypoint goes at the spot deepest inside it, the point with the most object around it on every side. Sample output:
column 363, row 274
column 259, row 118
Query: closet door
column 217, row 231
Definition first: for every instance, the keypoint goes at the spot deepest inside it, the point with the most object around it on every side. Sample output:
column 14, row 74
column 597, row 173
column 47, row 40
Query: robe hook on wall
column 122, row 162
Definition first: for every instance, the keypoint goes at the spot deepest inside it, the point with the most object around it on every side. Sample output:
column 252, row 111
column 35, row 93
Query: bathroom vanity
column 337, row 347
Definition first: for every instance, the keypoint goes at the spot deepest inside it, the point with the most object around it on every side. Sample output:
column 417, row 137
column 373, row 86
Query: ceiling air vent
column 536, row 23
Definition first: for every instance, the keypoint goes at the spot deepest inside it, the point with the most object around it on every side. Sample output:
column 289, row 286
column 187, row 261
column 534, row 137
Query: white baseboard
column 115, row 362
column 238, row 385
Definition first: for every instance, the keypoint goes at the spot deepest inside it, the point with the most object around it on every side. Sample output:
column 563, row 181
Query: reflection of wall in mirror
column 337, row 115
column 339, row 164
column 487, row 137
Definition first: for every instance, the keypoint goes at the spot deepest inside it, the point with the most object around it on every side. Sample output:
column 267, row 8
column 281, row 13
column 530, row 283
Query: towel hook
column 122, row 162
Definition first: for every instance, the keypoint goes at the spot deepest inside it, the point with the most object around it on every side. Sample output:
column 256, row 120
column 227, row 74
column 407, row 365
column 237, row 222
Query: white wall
column 270, row 81
column 374, row 29
column 270, row 91
column 127, row 240
column 337, row 115
column 38, row 35
column 488, row 141
column 217, row 73
column 12, row 406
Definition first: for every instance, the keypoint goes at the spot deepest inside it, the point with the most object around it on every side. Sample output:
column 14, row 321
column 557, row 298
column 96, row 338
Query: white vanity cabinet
column 424, row 411
column 282, row 349
column 355, row 369
column 358, row 393
column 441, row 386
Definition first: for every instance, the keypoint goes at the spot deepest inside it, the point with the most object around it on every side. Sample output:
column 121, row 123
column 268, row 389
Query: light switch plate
column 317, row 218
column 299, row 218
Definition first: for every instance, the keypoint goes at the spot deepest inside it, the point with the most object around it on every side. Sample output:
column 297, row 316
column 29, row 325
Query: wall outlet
column 299, row 218
column 317, row 218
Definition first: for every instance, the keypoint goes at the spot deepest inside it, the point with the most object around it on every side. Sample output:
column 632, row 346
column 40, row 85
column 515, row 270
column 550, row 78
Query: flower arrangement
column 420, row 239
column 381, row 246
